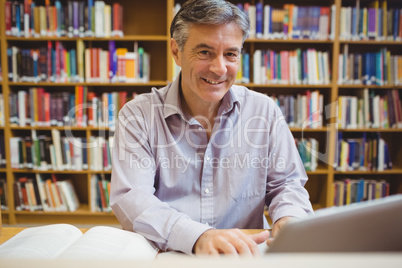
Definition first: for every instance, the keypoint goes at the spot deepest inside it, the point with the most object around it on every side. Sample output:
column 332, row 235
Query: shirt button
column 200, row 128
column 208, row 158
column 206, row 191
column 206, row 223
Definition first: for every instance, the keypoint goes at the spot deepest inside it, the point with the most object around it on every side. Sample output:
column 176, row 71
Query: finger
column 245, row 244
column 244, row 248
column 213, row 252
column 260, row 237
column 226, row 247
column 269, row 240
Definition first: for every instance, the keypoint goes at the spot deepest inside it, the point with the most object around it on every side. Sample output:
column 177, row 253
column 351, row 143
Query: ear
column 175, row 51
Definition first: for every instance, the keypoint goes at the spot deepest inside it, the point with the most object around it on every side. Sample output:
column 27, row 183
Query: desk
column 283, row 260
column 276, row 260
column 8, row 232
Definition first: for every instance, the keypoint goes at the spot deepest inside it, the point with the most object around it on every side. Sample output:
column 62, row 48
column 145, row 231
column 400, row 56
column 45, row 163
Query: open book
column 64, row 241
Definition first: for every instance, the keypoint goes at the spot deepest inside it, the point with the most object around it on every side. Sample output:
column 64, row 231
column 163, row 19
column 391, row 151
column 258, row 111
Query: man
column 201, row 155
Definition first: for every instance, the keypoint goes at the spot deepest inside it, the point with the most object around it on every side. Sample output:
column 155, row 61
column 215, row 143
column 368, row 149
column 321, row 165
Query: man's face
column 209, row 62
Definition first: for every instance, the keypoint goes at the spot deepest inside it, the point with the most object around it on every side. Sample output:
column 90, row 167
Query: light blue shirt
column 171, row 184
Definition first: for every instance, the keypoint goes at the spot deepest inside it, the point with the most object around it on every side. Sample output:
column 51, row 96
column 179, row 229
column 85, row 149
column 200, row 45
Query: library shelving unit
column 148, row 22
column 145, row 22
column 390, row 135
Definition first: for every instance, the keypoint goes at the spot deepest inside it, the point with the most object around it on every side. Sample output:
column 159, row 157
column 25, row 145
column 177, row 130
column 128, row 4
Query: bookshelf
column 154, row 37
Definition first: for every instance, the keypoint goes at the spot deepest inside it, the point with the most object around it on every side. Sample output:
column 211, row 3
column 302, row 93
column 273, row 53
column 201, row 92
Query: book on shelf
column 25, row 195
column 71, row 19
column 67, row 242
column 2, row 114
column 368, row 153
column 371, row 20
column 3, row 194
column 100, row 193
column 305, row 110
column 370, row 110
column 54, row 63
column 37, row 107
column 289, row 22
column 3, row 159
column 1, row 72
column 348, row 191
column 369, row 68
column 45, row 152
column 100, row 150
column 44, row 192
column 296, row 67
column 308, row 151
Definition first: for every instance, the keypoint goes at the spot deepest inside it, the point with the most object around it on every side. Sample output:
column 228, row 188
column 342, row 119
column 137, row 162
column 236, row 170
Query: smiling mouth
column 212, row 82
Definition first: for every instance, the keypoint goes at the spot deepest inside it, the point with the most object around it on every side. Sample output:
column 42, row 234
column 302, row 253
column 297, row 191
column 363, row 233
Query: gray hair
column 210, row 12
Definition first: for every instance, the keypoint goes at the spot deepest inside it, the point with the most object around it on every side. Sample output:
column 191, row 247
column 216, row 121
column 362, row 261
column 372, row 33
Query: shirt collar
column 173, row 104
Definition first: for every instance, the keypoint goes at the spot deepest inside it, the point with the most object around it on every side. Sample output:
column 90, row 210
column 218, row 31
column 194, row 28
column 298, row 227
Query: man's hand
column 278, row 225
column 232, row 241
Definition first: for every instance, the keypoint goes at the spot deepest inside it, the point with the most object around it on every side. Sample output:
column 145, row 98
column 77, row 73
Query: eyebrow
column 203, row 45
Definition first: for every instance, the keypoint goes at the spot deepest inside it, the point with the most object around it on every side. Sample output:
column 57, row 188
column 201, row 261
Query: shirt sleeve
column 286, row 195
column 132, row 189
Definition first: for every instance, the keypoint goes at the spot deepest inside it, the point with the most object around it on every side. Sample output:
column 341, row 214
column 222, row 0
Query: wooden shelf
column 371, row 42
column 51, row 171
column 395, row 171
column 83, row 210
column 319, row 171
column 386, row 87
column 90, row 128
column 252, row 85
column 317, row 206
column 289, row 41
column 71, row 84
column 48, row 128
column 396, row 130
column 296, row 129
column 73, row 39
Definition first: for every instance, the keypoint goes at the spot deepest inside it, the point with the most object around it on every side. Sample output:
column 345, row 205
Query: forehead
column 215, row 36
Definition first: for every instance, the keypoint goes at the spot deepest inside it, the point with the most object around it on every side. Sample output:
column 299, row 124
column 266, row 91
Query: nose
column 218, row 65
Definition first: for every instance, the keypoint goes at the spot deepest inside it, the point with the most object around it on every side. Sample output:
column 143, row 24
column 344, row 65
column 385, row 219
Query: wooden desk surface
column 331, row 260
column 8, row 232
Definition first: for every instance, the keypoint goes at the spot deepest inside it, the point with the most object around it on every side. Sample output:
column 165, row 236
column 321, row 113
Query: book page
column 109, row 243
column 44, row 242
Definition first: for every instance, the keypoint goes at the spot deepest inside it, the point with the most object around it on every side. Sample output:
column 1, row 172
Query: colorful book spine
column 57, row 64
column 303, row 110
column 36, row 107
column 372, row 154
column 375, row 21
column 370, row 68
column 348, row 190
column 72, row 19
column 309, row 67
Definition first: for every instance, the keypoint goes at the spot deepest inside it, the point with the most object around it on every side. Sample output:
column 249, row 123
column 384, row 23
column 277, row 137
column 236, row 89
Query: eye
column 204, row 53
column 232, row 56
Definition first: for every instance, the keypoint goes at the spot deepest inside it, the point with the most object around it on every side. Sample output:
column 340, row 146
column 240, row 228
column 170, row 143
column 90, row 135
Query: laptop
column 361, row 227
